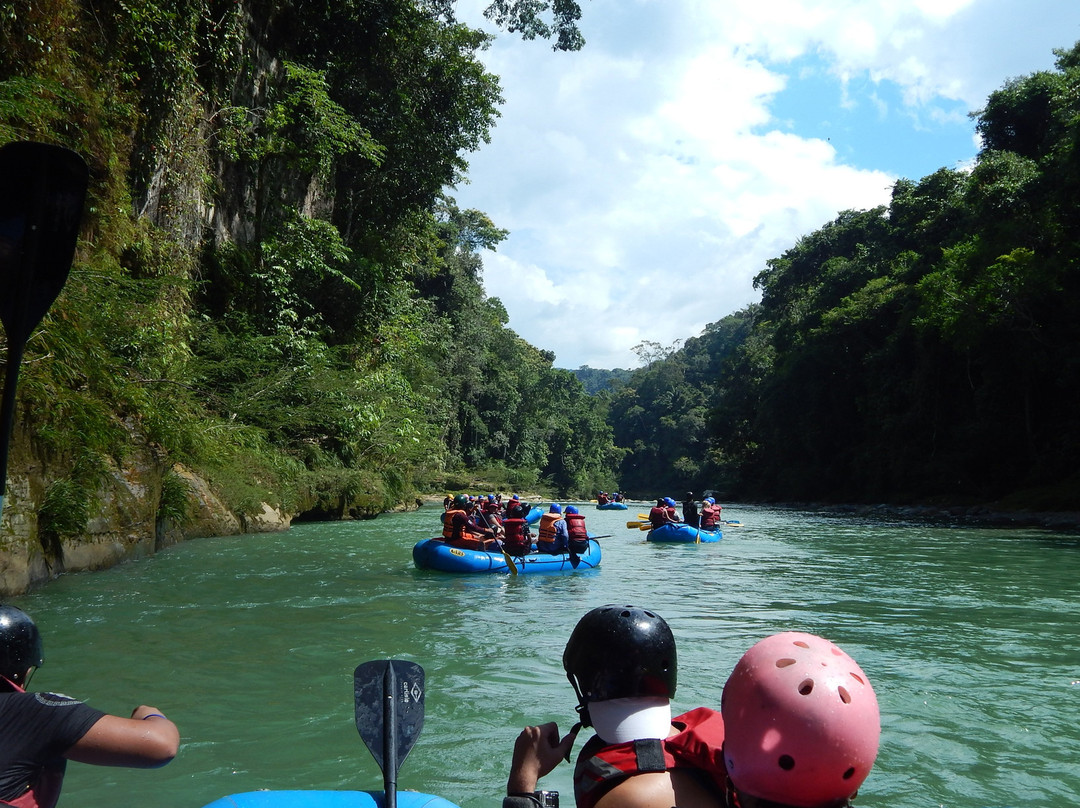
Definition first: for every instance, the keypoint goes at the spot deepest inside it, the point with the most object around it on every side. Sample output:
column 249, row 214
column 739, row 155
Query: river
column 970, row 635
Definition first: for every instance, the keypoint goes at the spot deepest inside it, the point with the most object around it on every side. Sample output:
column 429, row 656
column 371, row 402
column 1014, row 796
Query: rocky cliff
column 125, row 519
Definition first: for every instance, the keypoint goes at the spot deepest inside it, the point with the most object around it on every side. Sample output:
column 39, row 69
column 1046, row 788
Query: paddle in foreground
column 42, row 191
column 389, row 699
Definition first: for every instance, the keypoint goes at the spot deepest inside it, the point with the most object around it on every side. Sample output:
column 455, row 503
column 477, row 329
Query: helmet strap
column 574, row 730
column 582, row 706
column 14, row 686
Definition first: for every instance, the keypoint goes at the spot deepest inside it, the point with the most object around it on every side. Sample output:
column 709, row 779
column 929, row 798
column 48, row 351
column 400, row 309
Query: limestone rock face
column 125, row 521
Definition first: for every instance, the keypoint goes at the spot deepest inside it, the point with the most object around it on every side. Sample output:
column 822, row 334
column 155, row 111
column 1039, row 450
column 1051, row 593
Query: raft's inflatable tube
column 683, row 533
column 435, row 554
column 612, row 506
column 327, row 799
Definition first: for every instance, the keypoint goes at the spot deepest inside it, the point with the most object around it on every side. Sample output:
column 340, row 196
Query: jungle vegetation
column 274, row 284
column 928, row 349
column 276, row 287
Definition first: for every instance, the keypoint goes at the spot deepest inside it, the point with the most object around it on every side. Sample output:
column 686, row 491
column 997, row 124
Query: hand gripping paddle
column 389, row 715
column 42, row 190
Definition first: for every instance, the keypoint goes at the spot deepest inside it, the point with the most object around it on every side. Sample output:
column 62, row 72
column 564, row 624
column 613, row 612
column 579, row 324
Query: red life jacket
column 545, row 533
column 514, row 539
column 44, row 792
column 658, row 516
column 575, row 526
column 698, row 746
column 710, row 516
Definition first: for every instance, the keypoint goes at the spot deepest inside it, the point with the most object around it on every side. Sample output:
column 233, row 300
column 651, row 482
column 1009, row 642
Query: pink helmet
column 801, row 722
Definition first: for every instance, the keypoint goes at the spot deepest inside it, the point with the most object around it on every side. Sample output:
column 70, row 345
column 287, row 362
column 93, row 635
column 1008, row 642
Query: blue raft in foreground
column 327, row 799
column 683, row 533
column 435, row 554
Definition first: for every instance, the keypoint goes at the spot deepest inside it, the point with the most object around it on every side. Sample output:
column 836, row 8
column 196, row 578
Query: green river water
column 970, row 635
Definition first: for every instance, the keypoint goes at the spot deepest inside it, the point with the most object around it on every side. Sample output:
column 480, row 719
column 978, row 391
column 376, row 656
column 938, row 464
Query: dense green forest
column 927, row 349
column 275, row 287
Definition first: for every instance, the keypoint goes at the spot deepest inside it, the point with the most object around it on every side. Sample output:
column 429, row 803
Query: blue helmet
column 710, row 500
column 555, row 508
column 571, row 509
column 669, row 501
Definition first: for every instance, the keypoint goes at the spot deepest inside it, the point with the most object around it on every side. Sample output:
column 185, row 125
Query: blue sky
column 646, row 179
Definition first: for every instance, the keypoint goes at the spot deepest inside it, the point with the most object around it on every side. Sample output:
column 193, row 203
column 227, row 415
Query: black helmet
column 617, row 652
column 20, row 644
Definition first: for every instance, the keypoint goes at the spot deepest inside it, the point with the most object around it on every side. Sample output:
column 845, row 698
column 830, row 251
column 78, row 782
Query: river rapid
column 970, row 636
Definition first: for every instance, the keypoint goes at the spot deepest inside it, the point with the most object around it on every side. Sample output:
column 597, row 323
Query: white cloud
column 645, row 180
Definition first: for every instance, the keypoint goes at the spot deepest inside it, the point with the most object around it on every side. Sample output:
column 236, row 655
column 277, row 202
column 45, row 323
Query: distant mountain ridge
column 596, row 380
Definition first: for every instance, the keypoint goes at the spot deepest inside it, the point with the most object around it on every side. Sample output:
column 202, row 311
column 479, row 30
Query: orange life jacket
column 545, row 532
column 464, row 539
column 448, row 523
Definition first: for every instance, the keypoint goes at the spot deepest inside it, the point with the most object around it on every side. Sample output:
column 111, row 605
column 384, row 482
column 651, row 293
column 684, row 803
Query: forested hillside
column 275, row 287
column 928, row 349
column 273, row 284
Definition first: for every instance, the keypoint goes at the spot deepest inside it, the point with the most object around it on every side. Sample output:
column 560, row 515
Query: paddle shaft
column 390, row 769
column 506, row 556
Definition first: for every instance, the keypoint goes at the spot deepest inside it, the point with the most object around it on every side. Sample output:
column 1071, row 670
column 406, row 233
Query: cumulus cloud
column 646, row 179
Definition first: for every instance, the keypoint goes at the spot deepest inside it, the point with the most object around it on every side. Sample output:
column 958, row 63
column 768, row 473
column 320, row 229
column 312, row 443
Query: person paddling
column 662, row 513
column 460, row 529
column 42, row 731
column 710, row 514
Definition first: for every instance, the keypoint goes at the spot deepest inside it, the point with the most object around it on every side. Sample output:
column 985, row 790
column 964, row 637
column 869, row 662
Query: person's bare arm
column 147, row 740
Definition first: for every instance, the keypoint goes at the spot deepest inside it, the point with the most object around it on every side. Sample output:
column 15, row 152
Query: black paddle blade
column 389, row 709
column 42, row 191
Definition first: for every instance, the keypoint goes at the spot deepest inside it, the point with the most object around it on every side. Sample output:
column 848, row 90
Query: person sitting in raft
column 576, row 535
column 460, row 530
column 661, row 514
column 490, row 507
column 689, row 509
column 43, row 731
column 551, row 535
column 602, row 498
column 798, row 725
column 622, row 664
column 516, row 509
column 710, row 513
column 616, row 497
column 517, row 538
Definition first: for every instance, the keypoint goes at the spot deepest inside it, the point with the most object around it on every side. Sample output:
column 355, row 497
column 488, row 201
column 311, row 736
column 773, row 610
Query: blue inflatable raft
column 327, row 799
column 683, row 533
column 612, row 506
column 435, row 554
